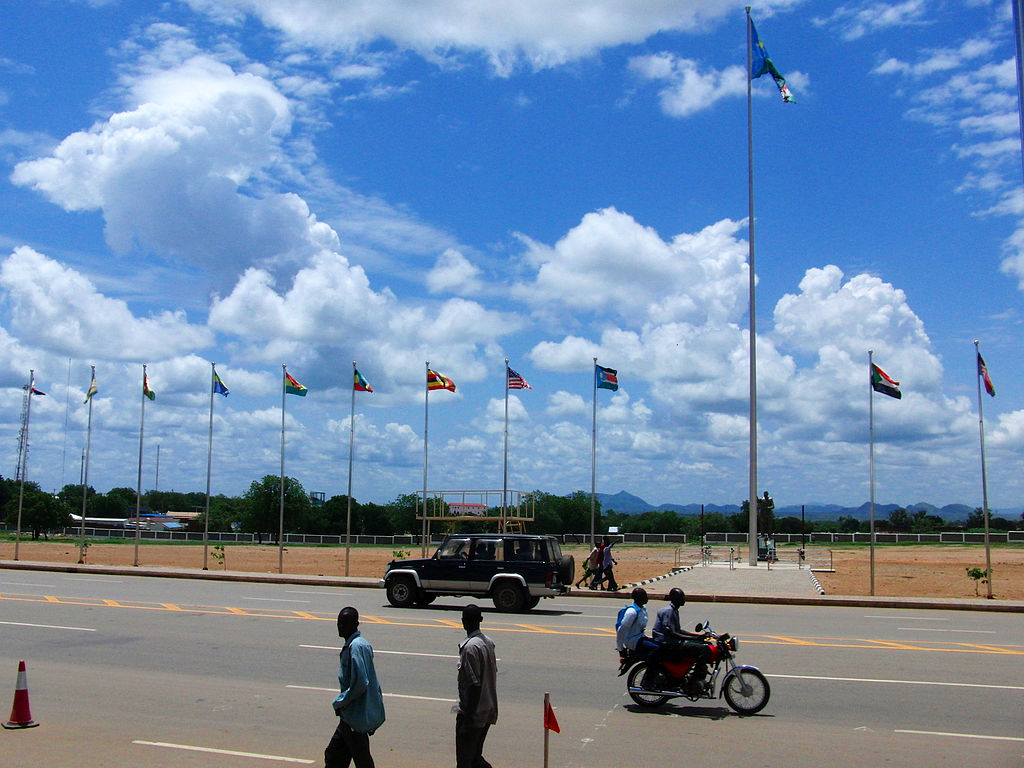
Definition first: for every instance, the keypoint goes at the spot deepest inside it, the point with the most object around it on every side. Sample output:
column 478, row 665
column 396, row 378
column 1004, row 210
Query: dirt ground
column 938, row 570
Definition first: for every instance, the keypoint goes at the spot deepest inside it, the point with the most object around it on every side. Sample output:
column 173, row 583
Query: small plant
column 218, row 554
column 400, row 554
column 980, row 576
column 83, row 548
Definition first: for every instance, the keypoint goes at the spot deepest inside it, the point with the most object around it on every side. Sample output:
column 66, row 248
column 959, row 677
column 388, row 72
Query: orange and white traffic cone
column 21, row 714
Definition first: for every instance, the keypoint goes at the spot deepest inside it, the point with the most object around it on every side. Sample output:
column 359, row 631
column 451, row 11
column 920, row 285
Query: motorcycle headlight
column 733, row 644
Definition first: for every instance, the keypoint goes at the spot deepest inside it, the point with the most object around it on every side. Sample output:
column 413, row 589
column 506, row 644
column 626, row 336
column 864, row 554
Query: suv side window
column 454, row 549
column 524, row 550
column 488, row 549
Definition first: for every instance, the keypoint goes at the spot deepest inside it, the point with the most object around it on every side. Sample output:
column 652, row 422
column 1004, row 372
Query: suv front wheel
column 508, row 597
column 401, row 592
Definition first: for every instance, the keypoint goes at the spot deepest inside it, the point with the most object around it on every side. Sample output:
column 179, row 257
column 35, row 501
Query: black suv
column 515, row 571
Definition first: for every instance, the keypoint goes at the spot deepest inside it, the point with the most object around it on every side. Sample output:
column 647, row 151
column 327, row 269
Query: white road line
column 386, row 695
column 26, row 584
column 960, row 735
column 899, row 682
column 230, row 752
column 936, row 629
column 308, row 592
column 904, row 618
column 100, row 581
column 393, row 653
column 46, row 626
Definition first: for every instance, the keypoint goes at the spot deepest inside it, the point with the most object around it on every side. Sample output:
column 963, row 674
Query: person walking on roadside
column 606, row 575
column 477, row 709
column 360, row 705
column 591, row 565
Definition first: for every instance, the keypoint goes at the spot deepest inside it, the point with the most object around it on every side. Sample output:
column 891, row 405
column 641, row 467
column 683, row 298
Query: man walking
column 478, row 694
column 360, row 705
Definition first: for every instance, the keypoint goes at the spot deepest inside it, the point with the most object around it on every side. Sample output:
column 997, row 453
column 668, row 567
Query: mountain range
column 628, row 504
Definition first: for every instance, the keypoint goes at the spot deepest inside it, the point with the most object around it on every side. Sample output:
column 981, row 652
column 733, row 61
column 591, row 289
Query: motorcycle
column 651, row 684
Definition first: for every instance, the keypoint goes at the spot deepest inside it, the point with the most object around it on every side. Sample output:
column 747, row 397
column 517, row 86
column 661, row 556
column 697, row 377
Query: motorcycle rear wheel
column 635, row 680
column 747, row 691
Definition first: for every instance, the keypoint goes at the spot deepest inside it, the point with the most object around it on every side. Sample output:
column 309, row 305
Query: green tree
column 41, row 512
column 261, row 506
column 976, row 518
column 848, row 524
column 900, row 520
column 401, row 514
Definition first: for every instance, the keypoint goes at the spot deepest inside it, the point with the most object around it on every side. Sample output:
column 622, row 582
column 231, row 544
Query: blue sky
column 316, row 182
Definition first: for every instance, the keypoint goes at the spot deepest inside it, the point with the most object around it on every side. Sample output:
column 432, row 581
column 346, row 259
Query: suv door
column 447, row 569
column 486, row 558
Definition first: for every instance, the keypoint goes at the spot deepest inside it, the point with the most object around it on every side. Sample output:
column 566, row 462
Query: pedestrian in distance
column 590, row 565
column 360, row 704
column 477, row 709
column 608, row 563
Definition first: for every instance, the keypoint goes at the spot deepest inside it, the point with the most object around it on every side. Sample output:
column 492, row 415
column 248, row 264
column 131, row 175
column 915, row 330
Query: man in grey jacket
column 478, row 694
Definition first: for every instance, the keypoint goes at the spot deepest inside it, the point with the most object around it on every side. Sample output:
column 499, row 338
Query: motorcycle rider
column 676, row 642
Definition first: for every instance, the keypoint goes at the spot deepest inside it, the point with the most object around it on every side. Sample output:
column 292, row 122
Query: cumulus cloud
column 687, row 89
column 510, row 35
column 856, row 20
column 59, row 309
column 454, row 273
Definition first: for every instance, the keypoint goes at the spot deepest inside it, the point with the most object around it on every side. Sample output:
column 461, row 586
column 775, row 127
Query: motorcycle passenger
column 634, row 622
column 676, row 642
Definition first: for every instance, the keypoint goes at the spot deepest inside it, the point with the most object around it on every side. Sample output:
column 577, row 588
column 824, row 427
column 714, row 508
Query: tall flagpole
column 871, row 469
column 504, row 486
column 85, row 468
column 752, row 488
column 351, row 448
column 138, row 484
column 23, row 458
column 426, row 422
column 593, row 462
column 984, row 478
column 280, row 515
column 1018, row 34
column 209, row 467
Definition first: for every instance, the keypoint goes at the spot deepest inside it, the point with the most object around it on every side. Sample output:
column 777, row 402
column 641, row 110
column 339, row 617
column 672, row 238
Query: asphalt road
column 130, row 671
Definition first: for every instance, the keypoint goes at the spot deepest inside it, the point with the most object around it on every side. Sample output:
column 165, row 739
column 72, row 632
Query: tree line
column 257, row 511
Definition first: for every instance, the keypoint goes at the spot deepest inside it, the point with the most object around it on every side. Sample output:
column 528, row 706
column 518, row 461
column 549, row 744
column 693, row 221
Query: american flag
column 515, row 381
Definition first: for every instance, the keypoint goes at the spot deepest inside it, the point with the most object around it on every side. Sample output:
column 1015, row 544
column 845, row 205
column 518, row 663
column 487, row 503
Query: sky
column 258, row 183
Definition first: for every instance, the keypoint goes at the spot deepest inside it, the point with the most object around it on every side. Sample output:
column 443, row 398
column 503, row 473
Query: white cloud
column 857, row 20
column 454, row 273
column 59, row 309
column 687, row 89
column 531, row 33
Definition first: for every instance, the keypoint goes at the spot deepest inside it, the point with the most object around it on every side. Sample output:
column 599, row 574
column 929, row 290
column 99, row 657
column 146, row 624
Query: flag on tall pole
column 217, row 387
column 147, row 394
column 983, row 375
column 90, row 393
column 512, row 381
column 290, row 387
column 26, row 413
column 359, row 384
column 435, row 381
column 604, row 378
column 878, row 381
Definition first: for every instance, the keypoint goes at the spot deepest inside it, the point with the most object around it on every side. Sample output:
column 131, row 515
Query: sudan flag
column 880, row 382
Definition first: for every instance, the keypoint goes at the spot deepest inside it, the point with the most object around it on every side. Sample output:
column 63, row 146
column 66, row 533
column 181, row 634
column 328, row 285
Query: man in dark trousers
column 478, row 694
column 360, row 705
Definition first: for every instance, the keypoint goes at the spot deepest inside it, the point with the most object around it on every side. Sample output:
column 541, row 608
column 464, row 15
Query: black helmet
column 677, row 597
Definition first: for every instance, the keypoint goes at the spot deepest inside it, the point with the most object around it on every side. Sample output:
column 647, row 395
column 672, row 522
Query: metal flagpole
column 23, row 458
column 1018, row 33
column 871, row 469
column 426, row 422
column 504, row 486
column 85, row 466
column 351, row 448
column 593, row 462
column 209, row 467
column 984, row 478
column 138, row 485
column 280, row 516
column 752, row 488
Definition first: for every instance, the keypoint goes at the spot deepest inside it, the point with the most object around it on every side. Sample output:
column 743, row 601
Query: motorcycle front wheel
column 635, row 680
column 747, row 691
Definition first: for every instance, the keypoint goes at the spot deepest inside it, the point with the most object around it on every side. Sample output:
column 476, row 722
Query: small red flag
column 549, row 718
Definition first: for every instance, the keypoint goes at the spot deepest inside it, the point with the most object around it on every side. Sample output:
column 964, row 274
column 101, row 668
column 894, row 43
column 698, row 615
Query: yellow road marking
column 519, row 628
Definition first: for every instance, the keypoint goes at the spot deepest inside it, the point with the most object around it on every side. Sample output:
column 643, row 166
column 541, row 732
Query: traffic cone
column 21, row 714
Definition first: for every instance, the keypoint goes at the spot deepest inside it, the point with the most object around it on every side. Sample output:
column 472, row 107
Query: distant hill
column 626, row 503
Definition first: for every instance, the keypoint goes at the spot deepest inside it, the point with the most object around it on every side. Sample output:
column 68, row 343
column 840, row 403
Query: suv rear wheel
column 401, row 592
column 508, row 597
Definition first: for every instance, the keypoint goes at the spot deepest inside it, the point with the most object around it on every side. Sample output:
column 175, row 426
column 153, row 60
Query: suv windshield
column 453, row 548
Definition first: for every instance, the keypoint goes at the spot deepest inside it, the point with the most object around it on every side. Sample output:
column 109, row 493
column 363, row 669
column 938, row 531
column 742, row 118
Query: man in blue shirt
column 677, row 642
column 360, row 705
